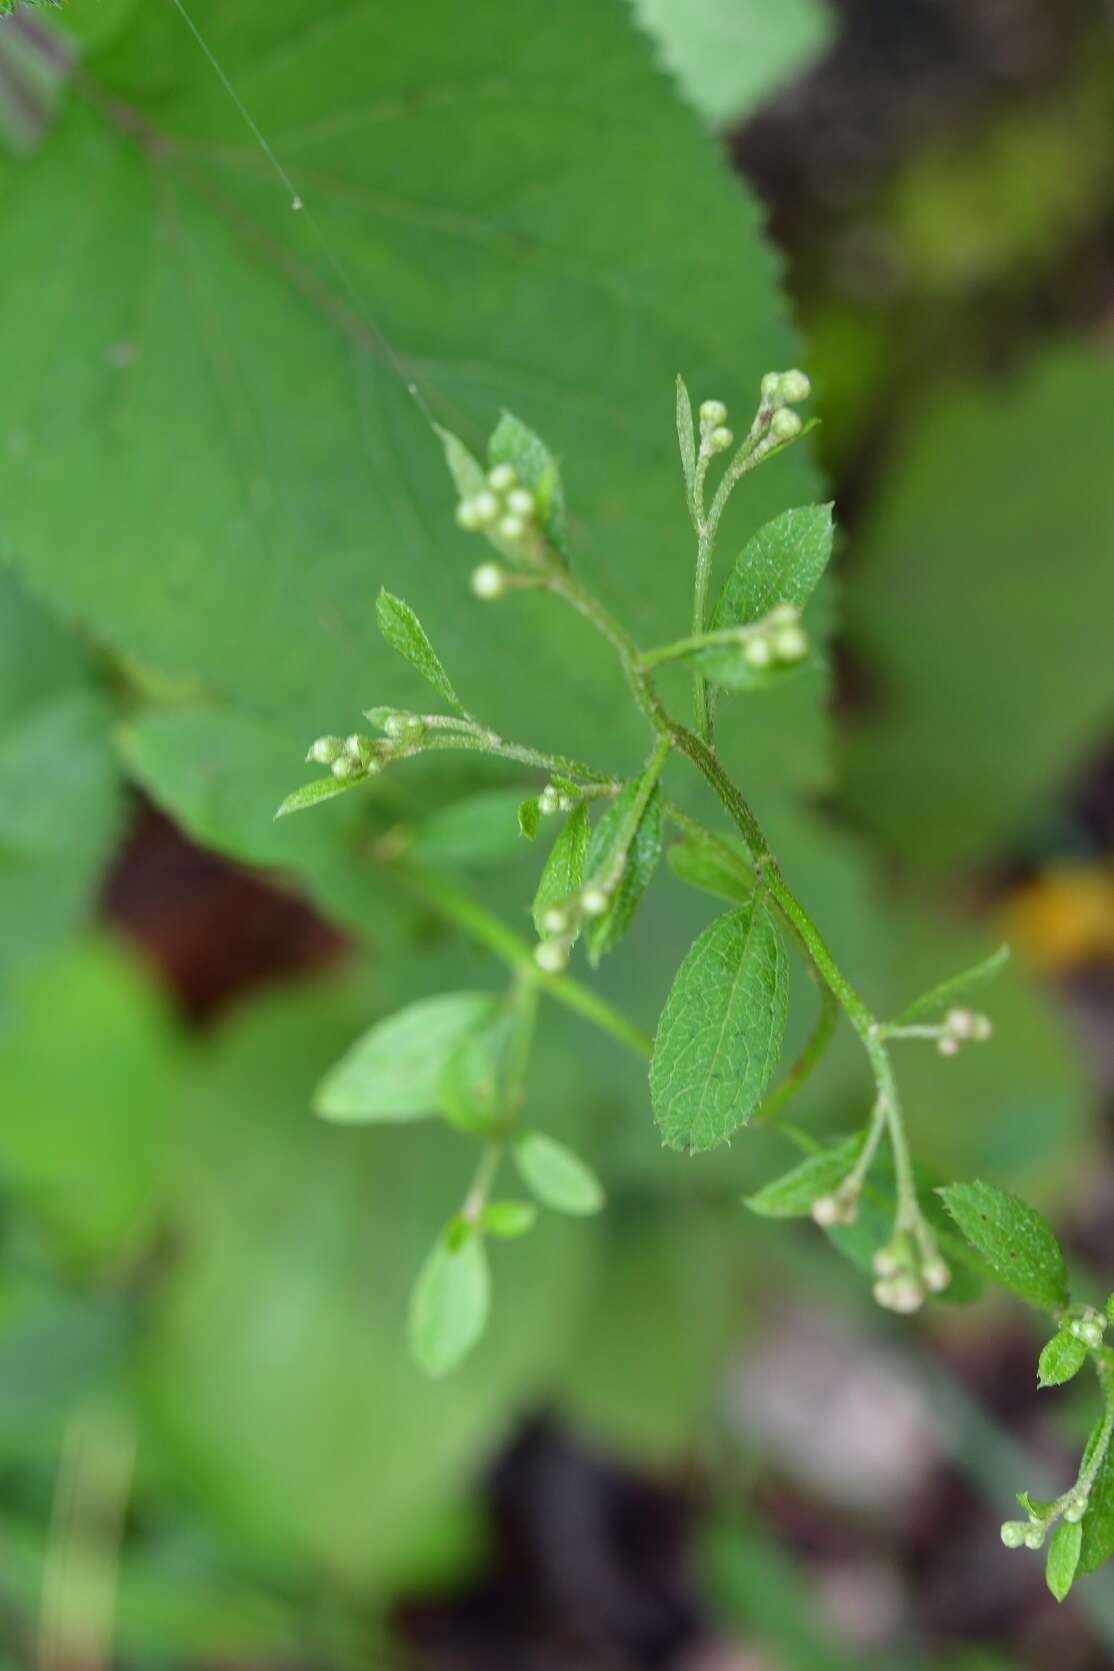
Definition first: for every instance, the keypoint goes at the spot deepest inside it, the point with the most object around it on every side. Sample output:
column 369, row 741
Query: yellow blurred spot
column 1063, row 918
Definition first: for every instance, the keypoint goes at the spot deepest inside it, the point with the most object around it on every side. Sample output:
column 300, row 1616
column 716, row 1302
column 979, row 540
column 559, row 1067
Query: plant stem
column 704, row 545
column 700, row 640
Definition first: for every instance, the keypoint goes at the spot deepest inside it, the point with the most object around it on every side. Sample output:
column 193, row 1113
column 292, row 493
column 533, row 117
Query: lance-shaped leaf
column 513, row 443
column 1062, row 1357
column 1013, row 1239
column 466, row 470
column 563, row 871
column 1063, row 1557
column 956, row 987
column 781, row 563
column 451, row 1301
column 721, row 1031
column 403, row 631
column 642, row 855
column 792, row 1195
column 686, row 436
column 394, row 1071
column 312, row 794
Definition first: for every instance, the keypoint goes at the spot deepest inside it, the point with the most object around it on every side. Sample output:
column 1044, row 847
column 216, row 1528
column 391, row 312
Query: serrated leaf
column 557, row 1176
column 1098, row 1522
column 529, row 817
column 792, row 1195
column 393, row 1072
column 602, row 933
column 721, row 1031
column 513, row 443
column 312, row 794
column 686, row 435
column 720, row 867
column 481, row 829
column 781, row 563
column 1063, row 1556
column 470, row 1087
column 402, row 630
column 1017, row 1244
column 563, row 871
column 508, row 1219
column 466, row 470
column 949, row 992
column 1061, row 1358
column 450, row 1303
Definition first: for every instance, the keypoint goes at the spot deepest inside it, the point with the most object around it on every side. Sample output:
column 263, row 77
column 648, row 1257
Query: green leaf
column 686, row 435
column 1039, row 1507
column 508, row 1219
column 563, row 871
column 402, row 630
column 470, row 1086
column 513, row 443
column 393, row 1072
column 557, row 1177
column 450, row 1304
column 1061, row 1358
column 721, row 1031
column 958, row 986
column 1063, row 1556
column 720, row 866
column 321, row 789
column 729, row 56
column 1016, row 1243
column 1098, row 1522
column 602, row 933
column 529, row 817
column 482, row 829
column 792, row 1195
column 781, row 563
column 466, row 470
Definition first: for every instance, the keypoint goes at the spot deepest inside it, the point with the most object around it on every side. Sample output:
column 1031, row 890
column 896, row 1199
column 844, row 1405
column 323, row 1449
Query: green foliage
column 1097, row 1544
column 402, row 630
column 557, row 1177
column 1017, row 1244
column 508, row 1219
column 729, row 55
column 1061, row 1358
column 637, row 855
column 720, row 866
column 480, row 829
column 782, row 563
column 957, row 987
column 471, row 1082
column 513, row 443
column 394, row 1071
column 720, row 1033
column 451, row 1301
column 792, row 1195
column 1063, row 1557
column 563, row 872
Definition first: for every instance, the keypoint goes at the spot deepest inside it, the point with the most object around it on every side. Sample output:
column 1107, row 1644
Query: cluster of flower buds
column 778, row 640
column 906, row 1273
column 1028, row 1533
column 840, row 1207
column 553, row 800
column 715, row 437
column 503, row 508
column 397, row 724
column 1089, row 1327
column 350, row 757
column 961, row 1026
column 561, row 924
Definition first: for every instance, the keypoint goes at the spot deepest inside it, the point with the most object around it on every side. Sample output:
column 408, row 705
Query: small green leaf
column 707, row 864
column 792, row 1195
column 602, row 933
column 481, row 829
column 513, row 443
column 1039, row 1507
column 529, row 817
column 508, row 1219
column 450, row 1303
column 403, row 631
column 1015, row 1241
column 686, row 436
column 781, row 563
column 1062, row 1357
column 321, row 789
column 393, row 1071
column 559, row 1178
column 563, row 871
column 721, row 1031
column 470, row 1088
column 1098, row 1522
column 466, row 470
column 951, row 991
column 1063, row 1557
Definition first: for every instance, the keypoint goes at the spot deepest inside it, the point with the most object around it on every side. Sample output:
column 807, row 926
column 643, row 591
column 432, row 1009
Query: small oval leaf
column 450, row 1303
column 393, row 1071
column 559, row 1178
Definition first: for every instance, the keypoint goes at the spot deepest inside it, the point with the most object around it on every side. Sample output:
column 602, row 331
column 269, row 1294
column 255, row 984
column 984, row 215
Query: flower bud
column 548, row 801
column 791, row 644
column 794, row 387
column 552, row 956
column 502, row 477
column 1034, row 1537
column 565, row 803
column 1013, row 1533
column 511, row 528
column 1090, row 1333
column 981, row 1028
column 485, row 508
column 468, row 516
column 556, row 921
column 785, row 425
column 720, row 438
column 757, row 653
column 1076, row 1506
column 346, row 767
column 902, row 1293
column 960, row 1023
column 403, row 728
column 770, row 387
column 594, row 901
column 488, row 581
column 784, row 615
column 935, row 1275
column 325, row 750
column 947, row 1046
column 712, row 413
column 826, row 1211
column 521, row 501
column 358, row 748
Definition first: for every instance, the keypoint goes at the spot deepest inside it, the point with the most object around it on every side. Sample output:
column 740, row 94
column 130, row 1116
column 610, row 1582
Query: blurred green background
column 688, row 1441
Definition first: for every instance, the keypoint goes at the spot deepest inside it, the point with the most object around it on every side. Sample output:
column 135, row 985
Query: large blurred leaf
column 213, row 460
column 729, row 55
column 982, row 597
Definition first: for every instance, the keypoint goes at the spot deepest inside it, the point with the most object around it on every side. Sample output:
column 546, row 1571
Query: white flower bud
column 325, row 750
column 1013, row 1534
column 982, row 1028
column 935, row 1275
column 791, row 644
column 771, row 387
column 784, row 615
column 346, row 767
column 794, row 387
column 556, row 921
column 502, row 477
column 1075, row 1327
column 757, row 653
column 720, row 438
column 1076, row 1506
column 947, row 1046
column 1034, row 1537
column 358, row 748
column 712, row 414
column 485, row 508
column 468, row 516
column 785, row 424
column 521, row 501
column 825, row 1211
column 552, row 956
column 594, row 902
column 488, row 581
column 511, row 528
column 960, row 1023
column 1090, row 1333
column 548, row 801
column 565, row 803
column 900, row 1293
